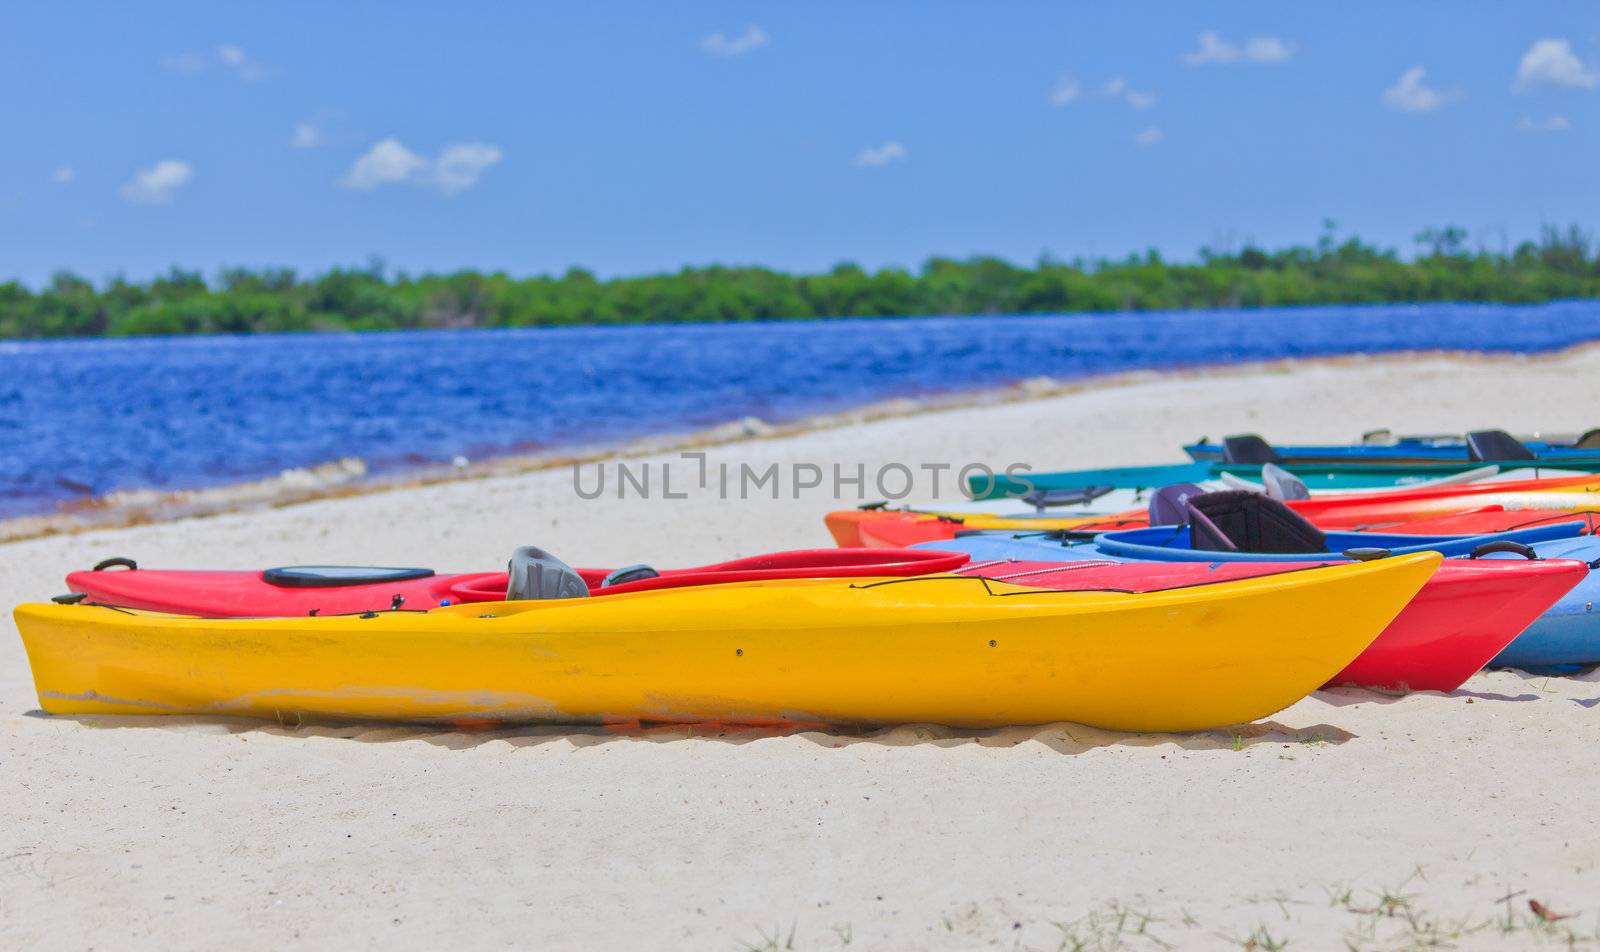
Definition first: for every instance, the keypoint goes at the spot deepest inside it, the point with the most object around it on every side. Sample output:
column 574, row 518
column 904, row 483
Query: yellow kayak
column 954, row 650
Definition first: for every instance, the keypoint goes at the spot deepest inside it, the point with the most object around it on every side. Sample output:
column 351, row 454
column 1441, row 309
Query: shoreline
column 348, row 477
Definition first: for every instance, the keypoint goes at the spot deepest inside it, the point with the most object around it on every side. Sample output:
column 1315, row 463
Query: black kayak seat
column 1495, row 446
column 1242, row 521
column 1168, row 504
column 1590, row 440
column 1248, row 449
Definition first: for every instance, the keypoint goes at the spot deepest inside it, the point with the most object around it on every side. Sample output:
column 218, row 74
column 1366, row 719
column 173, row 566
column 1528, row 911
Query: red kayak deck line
column 215, row 594
column 1464, row 616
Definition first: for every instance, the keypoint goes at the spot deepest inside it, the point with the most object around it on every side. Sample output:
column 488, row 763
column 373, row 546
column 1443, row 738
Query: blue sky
column 641, row 137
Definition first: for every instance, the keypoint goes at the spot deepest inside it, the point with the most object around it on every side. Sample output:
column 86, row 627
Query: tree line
column 1561, row 263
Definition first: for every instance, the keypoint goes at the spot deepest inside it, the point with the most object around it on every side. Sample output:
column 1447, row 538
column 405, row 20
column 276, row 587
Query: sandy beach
column 1352, row 818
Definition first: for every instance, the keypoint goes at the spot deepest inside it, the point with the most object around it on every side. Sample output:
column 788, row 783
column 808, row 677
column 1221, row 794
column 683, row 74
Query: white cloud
column 156, row 184
column 1066, row 91
column 1551, row 62
column 718, row 44
column 882, row 155
column 457, row 168
column 1149, row 136
column 63, row 175
column 387, row 163
column 233, row 58
column 1410, row 94
column 460, row 166
column 227, row 56
column 306, row 136
column 187, row 63
column 1139, row 100
column 1549, row 124
column 1268, row 49
column 1212, row 48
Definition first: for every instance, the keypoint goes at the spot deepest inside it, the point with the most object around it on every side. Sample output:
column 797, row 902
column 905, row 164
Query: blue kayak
column 1568, row 635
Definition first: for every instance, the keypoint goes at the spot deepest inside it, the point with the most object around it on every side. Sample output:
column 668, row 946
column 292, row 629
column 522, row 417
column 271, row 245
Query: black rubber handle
column 71, row 598
column 1505, row 545
column 1366, row 553
column 115, row 561
column 1068, row 535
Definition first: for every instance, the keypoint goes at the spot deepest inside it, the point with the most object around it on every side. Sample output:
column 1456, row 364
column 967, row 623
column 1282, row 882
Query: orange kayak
column 1465, row 509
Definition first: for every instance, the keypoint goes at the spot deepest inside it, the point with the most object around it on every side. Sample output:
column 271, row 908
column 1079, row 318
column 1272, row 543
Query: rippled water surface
column 84, row 417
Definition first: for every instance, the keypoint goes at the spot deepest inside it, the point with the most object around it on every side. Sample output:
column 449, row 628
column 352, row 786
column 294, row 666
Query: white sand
column 200, row 835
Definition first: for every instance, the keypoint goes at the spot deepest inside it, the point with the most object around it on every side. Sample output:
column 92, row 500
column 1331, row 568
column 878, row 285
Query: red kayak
column 1475, row 522
column 1464, row 616
column 340, row 589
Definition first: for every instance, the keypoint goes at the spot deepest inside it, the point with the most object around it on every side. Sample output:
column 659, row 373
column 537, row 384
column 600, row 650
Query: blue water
column 83, row 418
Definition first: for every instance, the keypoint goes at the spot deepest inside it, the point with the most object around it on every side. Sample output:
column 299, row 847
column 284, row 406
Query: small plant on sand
column 1260, row 940
column 1280, row 899
column 1388, row 902
column 776, row 942
column 1113, row 929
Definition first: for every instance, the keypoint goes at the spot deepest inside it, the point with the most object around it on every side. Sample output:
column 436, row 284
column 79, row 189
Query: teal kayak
column 1327, row 468
column 1317, row 476
column 1482, row 446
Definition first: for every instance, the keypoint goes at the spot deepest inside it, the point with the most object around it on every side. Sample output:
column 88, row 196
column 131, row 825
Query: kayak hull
column 941, row 649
